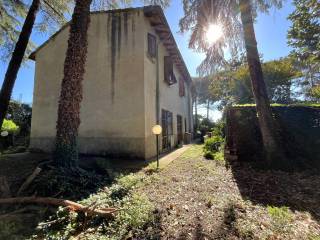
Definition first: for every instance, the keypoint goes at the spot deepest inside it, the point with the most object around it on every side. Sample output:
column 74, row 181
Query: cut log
column 29, row 180
column 72, row 206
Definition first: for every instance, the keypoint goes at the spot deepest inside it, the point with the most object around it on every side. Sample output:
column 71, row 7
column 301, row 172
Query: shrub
column 213, row 144
column 219, row 129
column 9, row 126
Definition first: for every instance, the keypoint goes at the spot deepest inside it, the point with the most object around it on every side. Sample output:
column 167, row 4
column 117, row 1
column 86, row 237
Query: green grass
column 193, row 152
column 135, row 211
column 281, row 218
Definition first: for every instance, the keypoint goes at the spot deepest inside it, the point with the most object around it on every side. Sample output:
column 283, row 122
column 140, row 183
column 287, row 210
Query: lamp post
column 156, row 130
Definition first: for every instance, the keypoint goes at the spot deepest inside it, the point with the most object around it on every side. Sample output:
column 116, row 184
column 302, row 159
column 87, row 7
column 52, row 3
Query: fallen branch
column 72, row 206
column 29, row 180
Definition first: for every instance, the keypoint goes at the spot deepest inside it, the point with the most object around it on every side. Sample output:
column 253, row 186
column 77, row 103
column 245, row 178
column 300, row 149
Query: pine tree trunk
column 208, row 105
column 196, row 112
column 266, row 121
column 16, row 59
column 66, row 152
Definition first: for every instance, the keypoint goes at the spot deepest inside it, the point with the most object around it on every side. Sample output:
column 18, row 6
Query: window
column 167, row 128
column 185, row 125
column 169, row 76
column 152, row 45
column 179, row 129
column 181, row 87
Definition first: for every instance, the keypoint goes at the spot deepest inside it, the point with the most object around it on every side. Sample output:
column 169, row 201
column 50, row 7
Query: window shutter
column 168, row 70
column 152, row 41
column 181, row 87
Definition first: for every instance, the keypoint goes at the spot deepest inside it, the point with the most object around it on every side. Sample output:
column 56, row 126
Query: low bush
column 213, row 144
column 9, row 126
column 219, row 129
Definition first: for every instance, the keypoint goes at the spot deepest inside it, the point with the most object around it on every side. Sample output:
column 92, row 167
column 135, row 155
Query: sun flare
column 214, row 33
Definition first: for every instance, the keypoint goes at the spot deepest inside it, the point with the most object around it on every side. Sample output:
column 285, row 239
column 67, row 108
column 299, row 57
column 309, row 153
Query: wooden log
column 29, row 180
column 70, row 205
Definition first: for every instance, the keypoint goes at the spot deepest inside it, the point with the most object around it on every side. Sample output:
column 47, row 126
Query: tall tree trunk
column 196, row 112
column 16, row 59
column 208, row 106
column 66, row 152
column 266, row 121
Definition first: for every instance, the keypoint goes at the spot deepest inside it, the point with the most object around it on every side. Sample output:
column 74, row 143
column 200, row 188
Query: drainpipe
column 157, row 85
column 189, row 108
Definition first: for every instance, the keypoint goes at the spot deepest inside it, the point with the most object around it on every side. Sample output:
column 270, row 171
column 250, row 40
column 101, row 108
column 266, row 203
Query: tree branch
column 72, row 206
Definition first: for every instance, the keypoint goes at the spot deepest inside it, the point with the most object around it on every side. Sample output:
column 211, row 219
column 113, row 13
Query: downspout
column 189, row 108
column 157, row 85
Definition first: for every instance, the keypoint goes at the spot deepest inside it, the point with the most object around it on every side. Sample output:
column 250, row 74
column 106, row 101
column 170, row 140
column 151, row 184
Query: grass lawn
column 191, row 198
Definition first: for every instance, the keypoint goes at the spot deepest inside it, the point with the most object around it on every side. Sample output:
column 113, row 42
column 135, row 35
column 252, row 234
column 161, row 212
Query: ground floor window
column 185, row 125
column 179, row 129
column 167, row 129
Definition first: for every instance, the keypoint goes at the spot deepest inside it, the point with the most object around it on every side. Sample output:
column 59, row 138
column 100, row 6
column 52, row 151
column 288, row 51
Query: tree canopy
column 200, row 14
column 303, row 36
column 54, row 13
column 232, row 86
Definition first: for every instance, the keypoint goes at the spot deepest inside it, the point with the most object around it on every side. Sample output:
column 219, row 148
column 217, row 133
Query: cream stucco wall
column 112, row 110
column 118, row 108
column 168, row 95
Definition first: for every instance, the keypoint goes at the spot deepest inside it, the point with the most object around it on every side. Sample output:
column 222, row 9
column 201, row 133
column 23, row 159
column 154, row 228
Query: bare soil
column 197, row 198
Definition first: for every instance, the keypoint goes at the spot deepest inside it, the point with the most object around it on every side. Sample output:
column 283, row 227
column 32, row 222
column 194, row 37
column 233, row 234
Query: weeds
column 193, row 152
column 134, row 212
column 281, row 218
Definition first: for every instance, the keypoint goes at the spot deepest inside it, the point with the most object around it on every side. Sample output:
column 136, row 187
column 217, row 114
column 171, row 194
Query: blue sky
column 270, row 29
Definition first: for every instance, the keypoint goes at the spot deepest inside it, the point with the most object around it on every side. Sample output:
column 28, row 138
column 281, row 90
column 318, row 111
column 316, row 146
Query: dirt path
column 197, row 198
column 191, row 195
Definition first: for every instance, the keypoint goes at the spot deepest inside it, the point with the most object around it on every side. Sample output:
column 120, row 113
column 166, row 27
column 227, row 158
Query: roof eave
column 163, row 30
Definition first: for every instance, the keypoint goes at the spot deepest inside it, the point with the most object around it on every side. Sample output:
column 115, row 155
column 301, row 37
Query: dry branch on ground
column 72, row 206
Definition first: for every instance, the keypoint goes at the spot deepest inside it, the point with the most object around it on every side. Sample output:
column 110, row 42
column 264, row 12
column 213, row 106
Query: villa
column 135, row 78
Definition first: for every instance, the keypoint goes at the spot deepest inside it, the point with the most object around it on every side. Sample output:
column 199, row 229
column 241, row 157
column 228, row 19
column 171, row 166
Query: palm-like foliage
column 199, row 14
column 236, row 17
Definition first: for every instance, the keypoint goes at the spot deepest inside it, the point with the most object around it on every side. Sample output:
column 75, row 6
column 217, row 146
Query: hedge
column 299, row 128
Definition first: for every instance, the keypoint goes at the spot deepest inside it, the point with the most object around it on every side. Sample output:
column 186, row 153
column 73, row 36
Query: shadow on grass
column 227, row 230
column 158, row 232
column 298, row 191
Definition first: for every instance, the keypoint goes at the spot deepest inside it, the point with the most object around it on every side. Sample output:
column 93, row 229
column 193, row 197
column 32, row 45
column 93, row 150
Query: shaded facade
column 135, row 78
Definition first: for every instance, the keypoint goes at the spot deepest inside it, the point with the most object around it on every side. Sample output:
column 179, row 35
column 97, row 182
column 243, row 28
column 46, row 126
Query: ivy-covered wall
column 300, row 133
